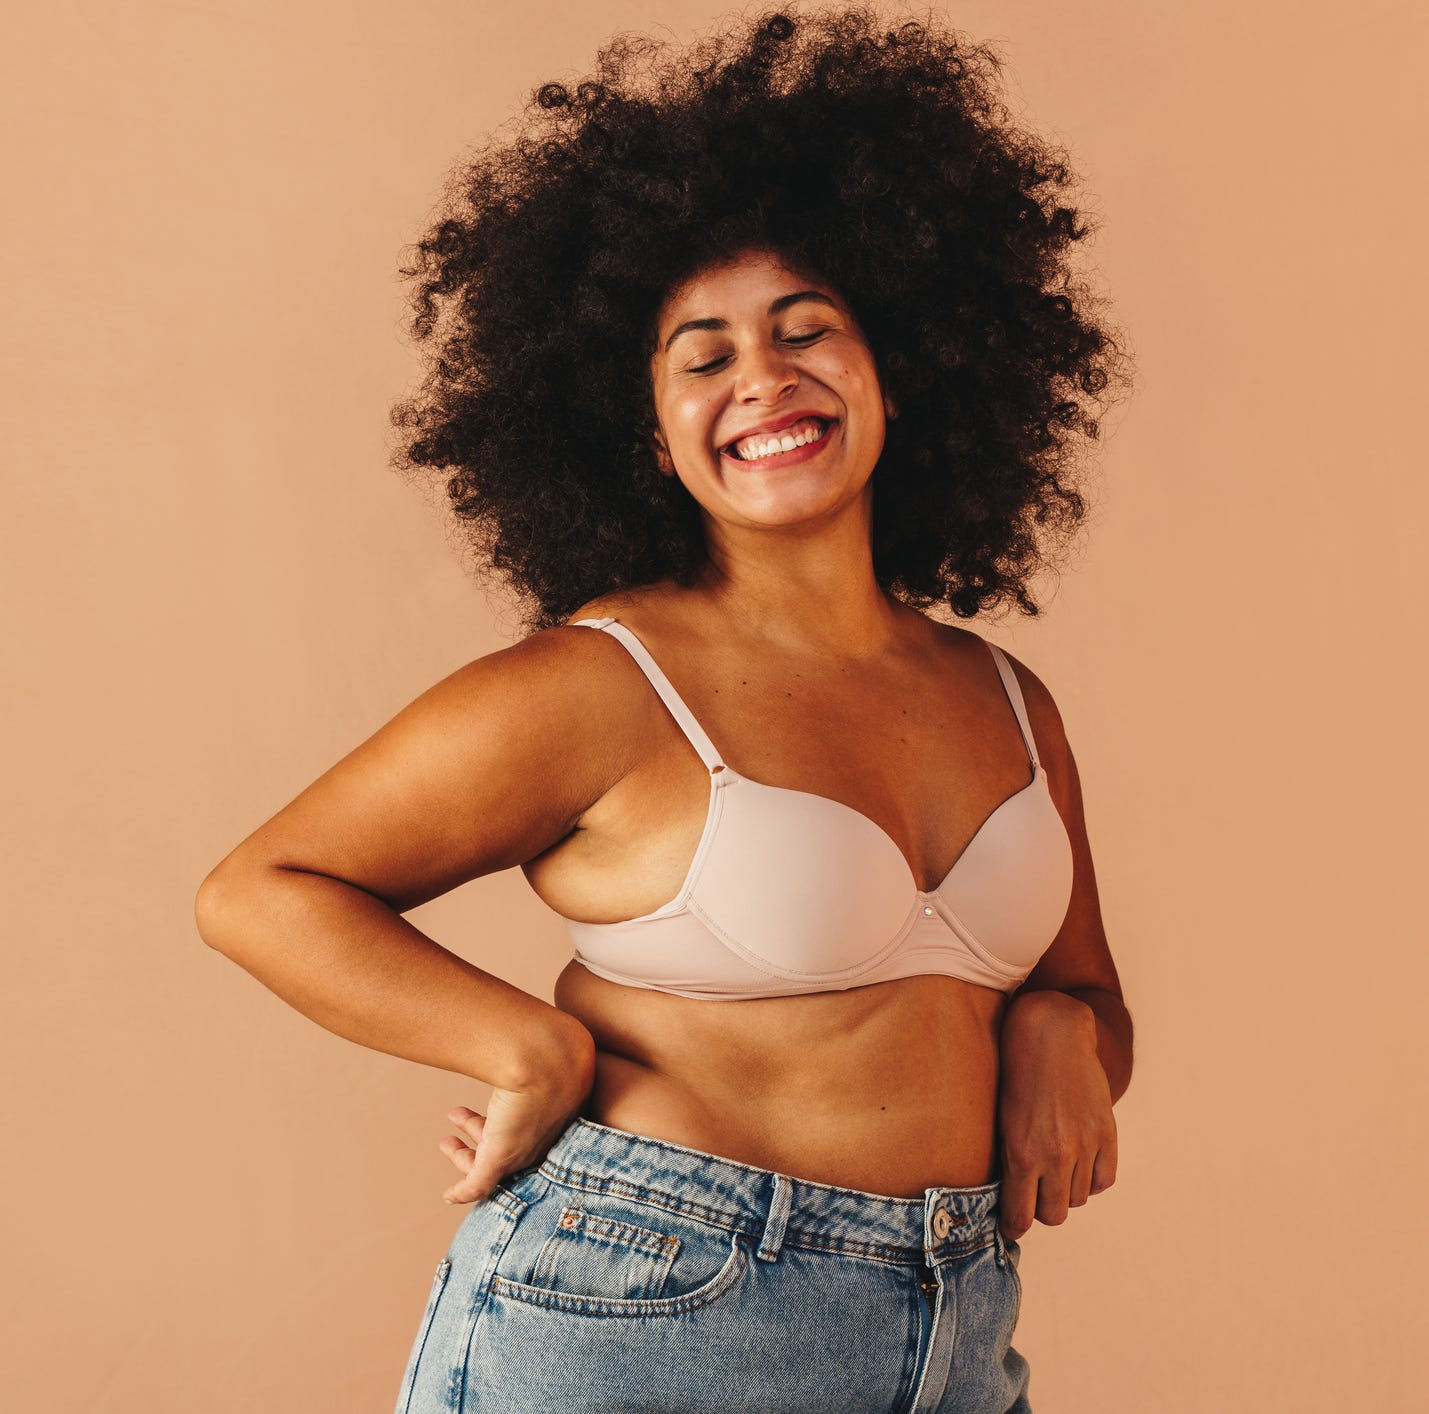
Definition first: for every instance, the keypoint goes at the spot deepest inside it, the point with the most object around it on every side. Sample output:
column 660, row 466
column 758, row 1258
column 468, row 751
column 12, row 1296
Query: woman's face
column 751, row 356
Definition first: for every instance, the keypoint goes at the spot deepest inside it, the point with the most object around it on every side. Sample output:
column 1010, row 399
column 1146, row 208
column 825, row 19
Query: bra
column 791, row 892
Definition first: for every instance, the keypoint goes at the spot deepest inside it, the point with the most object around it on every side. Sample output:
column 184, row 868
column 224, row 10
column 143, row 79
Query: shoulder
column 555, row 681
column 651, row 604
column 1050, row 733
column 1042, row 709
column 1043, row 713
column 602, row 673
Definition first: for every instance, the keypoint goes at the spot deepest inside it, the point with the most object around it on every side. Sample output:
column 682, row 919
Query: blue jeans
column 628, row 1273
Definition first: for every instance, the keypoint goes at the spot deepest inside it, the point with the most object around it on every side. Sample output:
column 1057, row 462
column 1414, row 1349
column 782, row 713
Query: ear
column 662, row 453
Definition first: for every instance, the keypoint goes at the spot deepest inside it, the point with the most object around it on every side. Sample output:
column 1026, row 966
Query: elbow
column 206, row 907
column 214, row 908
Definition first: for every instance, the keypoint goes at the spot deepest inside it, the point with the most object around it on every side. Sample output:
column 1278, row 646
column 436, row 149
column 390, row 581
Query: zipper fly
column 928, row 1283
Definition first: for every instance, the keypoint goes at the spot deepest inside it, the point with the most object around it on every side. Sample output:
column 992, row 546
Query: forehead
column 746, row 278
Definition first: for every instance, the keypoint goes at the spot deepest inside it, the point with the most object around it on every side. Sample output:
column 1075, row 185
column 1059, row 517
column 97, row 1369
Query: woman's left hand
column 1058, row 1136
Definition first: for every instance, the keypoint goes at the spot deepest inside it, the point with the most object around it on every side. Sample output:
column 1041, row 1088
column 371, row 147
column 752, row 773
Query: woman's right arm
column 485, row 770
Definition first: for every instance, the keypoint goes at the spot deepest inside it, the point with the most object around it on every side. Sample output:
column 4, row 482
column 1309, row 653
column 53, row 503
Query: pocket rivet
column 568, row 1220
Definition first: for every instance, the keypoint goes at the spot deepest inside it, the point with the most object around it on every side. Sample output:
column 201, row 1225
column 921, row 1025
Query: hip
column 629, row 1272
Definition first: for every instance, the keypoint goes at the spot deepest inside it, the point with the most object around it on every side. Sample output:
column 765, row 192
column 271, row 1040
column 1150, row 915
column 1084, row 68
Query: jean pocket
column 598, row 1254
column 591, row 1253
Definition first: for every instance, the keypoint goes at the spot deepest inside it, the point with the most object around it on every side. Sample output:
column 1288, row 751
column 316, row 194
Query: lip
column 777, row 424
column 790, row 458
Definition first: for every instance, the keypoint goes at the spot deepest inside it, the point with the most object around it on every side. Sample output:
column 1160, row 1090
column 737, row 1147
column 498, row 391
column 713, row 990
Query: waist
column 898, row 1138
column 889, row 1088
column 943, row 1219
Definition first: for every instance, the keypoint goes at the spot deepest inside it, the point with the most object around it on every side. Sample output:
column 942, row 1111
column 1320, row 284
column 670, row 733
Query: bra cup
column 1012, row 886
column 802, row 885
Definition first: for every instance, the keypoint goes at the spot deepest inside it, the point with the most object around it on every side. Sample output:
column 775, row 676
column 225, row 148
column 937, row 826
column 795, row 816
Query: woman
column 747, row 356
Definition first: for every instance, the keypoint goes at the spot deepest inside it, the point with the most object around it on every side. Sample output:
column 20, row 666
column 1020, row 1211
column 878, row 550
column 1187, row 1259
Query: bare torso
column 890, row 1088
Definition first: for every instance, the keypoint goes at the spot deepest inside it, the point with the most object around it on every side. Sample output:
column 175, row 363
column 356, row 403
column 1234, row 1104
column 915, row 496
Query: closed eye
column 788, row 339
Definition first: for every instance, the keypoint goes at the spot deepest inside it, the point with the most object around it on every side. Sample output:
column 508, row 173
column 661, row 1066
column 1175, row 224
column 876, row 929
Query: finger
column 490, row 1162
column 462, row 1155
column 1053, row 1191
column 1017, row 1201
column 463, row 1158
column 1104, row 1170
column 478, row 1185
column 1080, row 1184
column 469, row 1189
column 468, row 1120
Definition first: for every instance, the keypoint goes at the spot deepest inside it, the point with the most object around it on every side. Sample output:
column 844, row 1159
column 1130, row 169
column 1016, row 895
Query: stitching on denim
column 653, row 1198
column 807, row 1238
column 626, row 1233
column 513, row 1209
column 1016, row 1278
column 753, row 1171
column 733, row 1269
column 508, row 1200
column 963, row 1251
column 827, row 1242
column 439, row 1284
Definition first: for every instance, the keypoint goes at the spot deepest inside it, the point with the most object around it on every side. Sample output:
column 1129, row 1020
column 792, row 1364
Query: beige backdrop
column 217, row 588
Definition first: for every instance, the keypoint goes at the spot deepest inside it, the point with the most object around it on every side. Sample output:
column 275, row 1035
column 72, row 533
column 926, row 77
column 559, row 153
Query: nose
column 765, row 375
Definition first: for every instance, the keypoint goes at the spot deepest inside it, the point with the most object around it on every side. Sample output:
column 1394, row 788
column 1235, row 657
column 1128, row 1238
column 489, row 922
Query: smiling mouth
column 777, row 444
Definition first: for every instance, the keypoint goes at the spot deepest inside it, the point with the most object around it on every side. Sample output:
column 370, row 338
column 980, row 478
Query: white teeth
column 753, row 448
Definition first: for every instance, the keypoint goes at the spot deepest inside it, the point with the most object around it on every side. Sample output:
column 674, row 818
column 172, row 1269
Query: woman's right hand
column 519, row 1126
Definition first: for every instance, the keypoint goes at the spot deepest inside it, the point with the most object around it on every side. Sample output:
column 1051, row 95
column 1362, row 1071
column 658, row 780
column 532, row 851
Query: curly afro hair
column 881, row 159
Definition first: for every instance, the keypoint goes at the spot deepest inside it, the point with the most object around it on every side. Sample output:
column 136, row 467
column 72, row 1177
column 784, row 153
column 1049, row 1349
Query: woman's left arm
column 1066, row 1046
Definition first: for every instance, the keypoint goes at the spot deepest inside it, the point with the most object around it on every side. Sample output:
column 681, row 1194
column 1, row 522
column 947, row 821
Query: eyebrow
column 779, row 305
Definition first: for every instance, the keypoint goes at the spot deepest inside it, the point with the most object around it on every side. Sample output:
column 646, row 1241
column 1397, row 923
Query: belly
column 890, row 1088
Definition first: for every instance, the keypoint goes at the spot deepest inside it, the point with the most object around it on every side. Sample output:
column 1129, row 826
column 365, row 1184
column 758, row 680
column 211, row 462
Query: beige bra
column 793, row 892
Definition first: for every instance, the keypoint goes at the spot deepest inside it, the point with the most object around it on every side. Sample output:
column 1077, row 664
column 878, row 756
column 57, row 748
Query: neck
column 801, row 590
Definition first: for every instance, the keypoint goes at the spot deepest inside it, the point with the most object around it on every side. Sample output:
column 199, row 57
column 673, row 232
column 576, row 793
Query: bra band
column 694, row 733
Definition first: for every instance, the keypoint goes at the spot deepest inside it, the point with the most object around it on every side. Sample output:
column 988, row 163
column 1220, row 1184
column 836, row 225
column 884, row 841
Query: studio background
column 216, row 588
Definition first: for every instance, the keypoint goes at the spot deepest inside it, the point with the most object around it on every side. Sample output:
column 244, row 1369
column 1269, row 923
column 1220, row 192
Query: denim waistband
column 944, row 1224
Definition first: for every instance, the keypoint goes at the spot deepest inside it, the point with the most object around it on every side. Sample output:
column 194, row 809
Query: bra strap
column 672, row 699
column 1013, row 688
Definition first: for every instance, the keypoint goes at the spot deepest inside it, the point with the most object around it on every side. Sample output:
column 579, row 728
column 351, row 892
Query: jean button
column 942, row 1224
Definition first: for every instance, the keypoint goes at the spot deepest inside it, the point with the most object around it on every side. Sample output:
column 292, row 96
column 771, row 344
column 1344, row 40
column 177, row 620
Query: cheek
column 690, row 417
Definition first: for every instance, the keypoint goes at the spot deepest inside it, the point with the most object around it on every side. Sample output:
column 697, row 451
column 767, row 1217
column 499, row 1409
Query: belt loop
column 778, row 1217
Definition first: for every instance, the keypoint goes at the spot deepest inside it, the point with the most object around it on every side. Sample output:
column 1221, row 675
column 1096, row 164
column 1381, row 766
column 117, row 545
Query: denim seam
column 961, row 1254
column 627, row 1234
column 515, row 1209
column 654, row 1198
column 646, row 1141
column 851, row 1246
column 721, row 1282
column 881, row 1252
column 745, row 1224
column 439, row 1284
